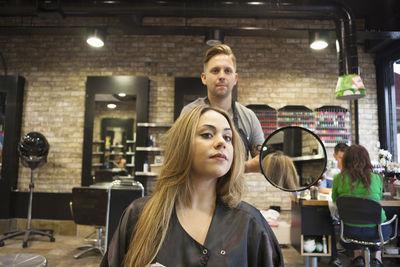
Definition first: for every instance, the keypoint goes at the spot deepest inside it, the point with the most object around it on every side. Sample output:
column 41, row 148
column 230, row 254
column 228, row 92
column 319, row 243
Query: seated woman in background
column 120, row 163
column 280, row 169
column 195, row 215
column 357, row 179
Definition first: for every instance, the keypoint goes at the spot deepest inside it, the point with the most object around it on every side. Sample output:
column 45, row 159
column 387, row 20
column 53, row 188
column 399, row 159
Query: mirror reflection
column 293, row 158
column 113, row 137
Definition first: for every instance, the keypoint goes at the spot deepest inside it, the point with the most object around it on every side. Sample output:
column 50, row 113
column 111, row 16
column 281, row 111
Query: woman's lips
column 219, row 156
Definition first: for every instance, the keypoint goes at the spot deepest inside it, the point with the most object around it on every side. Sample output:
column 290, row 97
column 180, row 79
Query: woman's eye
column 228, row 138
column 206, row 135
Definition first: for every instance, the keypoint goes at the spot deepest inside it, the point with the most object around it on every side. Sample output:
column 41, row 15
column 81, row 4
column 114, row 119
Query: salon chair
column 359, row 210
column 89, row 207
column 103, row 176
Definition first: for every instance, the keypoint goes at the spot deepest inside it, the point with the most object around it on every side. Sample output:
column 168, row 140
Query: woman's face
column 213, row 148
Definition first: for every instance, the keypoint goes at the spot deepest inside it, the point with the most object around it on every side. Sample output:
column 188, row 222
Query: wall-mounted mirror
column 11, row 99
column 113, row 107
column 293, row 158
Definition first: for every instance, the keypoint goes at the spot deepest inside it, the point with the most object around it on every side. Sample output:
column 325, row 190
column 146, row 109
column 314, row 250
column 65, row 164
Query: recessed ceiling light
column 111, row 106
column 318, row 40
column 255, row 3
column 122, row 94
column 95, row 38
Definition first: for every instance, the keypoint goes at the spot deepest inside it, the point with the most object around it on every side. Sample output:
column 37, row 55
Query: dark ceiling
column 377, row 21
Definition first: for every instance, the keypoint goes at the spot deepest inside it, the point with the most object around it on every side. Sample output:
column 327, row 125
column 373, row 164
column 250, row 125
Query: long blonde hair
column 280, row 169
column 173, row 185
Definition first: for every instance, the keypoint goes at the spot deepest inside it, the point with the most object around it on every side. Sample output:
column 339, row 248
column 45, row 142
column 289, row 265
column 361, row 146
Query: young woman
column 195, row 216
column 357, row 179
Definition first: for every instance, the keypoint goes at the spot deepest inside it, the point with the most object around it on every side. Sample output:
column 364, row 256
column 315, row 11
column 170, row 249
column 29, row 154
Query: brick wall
column 273, row 71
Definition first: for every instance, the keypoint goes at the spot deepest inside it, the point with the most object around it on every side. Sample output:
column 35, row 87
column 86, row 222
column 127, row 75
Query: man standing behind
column 340, row 148
column 220, row 77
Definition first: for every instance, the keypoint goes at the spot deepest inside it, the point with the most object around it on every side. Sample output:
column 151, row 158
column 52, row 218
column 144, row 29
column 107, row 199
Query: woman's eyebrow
column 215, row 128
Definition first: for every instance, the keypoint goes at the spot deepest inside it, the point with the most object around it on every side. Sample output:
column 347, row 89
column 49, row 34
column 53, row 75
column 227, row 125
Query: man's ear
column 203, row 78
column 236, row 78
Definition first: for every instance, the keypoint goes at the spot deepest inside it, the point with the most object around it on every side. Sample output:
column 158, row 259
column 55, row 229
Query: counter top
column 385, row 202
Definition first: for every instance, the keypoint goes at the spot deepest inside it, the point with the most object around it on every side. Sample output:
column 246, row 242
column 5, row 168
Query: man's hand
column 253, row 165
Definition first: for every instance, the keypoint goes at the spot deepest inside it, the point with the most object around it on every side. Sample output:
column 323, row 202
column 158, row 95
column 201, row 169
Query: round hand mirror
column 293, row 158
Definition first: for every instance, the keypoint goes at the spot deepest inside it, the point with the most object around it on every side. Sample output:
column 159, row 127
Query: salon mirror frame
column 299, row 156
column 13, row 86
column 135, row 86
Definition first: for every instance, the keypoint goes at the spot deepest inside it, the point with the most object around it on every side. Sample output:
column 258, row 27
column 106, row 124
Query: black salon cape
column 236, row 237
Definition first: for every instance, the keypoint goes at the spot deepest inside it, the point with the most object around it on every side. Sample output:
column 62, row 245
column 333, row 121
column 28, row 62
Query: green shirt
column 341, row 187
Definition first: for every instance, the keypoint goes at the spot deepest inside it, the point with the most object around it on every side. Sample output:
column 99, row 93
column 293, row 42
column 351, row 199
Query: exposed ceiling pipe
column 273, row 9
column 341, row 15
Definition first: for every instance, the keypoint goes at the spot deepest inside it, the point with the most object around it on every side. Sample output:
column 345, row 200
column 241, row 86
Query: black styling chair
column 103, row 176
column 33, row 150
column 89, row 207
column 360, row 210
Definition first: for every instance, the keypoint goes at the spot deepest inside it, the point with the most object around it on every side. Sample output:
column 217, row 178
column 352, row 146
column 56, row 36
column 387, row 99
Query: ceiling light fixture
column 122, row 94
column 214, row 37
column 319, row 40
column 111, row 106
column 350, row 87
column 256, row 3
column 95, row 37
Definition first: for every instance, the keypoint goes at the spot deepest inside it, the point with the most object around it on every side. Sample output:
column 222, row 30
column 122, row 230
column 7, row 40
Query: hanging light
column 95, row 37
column 318, row 39
column 214, row 37
column 350, row 87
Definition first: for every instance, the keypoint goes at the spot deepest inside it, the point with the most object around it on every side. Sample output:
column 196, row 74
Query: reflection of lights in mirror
column 111, row 106
column 291, row 147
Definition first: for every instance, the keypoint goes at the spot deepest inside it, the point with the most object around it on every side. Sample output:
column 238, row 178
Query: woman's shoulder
column 375, row 175
column 339, row 175
column 137, row 205
column 250, row 212
column 376, row 178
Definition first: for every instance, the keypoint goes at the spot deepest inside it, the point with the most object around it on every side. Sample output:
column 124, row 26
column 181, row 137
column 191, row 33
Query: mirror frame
column 13, row 85
column 315, row 136
column 131, row 85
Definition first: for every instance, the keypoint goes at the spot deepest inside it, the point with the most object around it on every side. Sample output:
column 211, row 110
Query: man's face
column 219, row 76
column 338, row 157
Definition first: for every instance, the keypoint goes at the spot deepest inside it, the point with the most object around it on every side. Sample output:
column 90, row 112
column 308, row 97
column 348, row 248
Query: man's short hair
column 221, row 49
column 340, row 147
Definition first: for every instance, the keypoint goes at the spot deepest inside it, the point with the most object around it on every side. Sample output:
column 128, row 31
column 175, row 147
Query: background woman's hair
column 357, row 164
column 173, row 184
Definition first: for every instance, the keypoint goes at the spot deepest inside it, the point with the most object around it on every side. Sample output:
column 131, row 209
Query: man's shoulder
column 245, row 110
column 199, row 101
